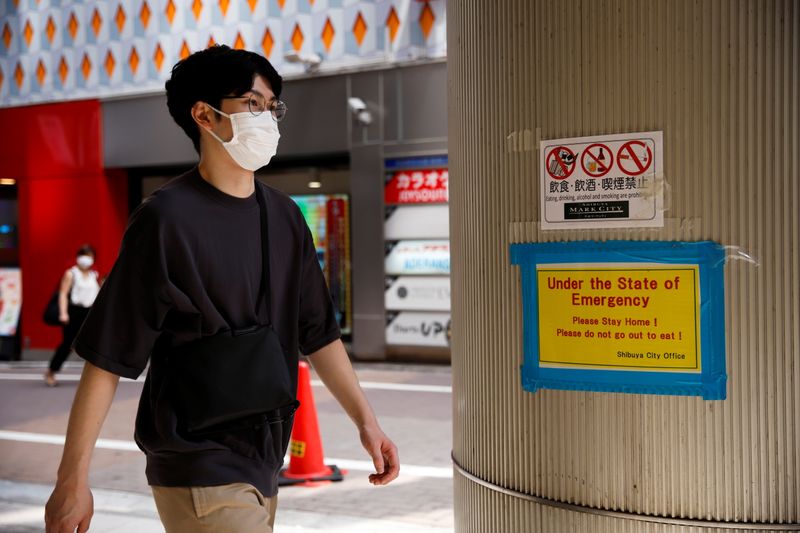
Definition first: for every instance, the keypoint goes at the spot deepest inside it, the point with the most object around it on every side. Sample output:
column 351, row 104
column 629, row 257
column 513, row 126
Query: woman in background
column 79, row 288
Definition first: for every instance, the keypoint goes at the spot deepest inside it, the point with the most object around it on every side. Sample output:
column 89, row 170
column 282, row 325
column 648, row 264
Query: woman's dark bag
column 226, row 380
column 50, row 315
column 51, row 312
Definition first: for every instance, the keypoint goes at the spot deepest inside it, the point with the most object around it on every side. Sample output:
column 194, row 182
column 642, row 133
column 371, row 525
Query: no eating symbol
column 597, row 160
column 635, row 161
column 560, row 163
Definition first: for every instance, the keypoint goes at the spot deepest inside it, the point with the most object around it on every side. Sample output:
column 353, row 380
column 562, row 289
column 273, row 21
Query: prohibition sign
column 560, row 163
column 639, row 162
column 602, row 164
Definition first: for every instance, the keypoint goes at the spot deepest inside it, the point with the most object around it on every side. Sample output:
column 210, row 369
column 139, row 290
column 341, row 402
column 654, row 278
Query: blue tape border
column 710, row 383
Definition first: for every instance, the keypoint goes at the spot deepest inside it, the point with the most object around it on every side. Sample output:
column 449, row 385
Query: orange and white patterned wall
column 52, row 50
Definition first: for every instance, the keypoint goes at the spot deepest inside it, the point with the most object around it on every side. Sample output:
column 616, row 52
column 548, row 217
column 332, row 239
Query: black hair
column 210, row 74
column 86, row 249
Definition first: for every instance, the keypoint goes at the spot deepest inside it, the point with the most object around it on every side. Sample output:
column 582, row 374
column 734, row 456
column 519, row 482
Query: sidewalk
column 413, row 402
column 22, row 511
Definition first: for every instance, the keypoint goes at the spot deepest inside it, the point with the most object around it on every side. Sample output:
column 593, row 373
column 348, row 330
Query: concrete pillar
column 721, row 79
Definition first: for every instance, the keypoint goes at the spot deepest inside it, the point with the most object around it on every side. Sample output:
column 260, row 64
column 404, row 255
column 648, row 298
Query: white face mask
column 254, row 141
column 85, row 261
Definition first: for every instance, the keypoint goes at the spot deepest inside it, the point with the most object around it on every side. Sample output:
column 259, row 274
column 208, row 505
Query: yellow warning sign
column 637, row 316
column 297, row 448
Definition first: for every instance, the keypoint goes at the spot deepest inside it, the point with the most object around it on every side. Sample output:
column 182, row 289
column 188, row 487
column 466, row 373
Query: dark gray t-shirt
column 190, row 266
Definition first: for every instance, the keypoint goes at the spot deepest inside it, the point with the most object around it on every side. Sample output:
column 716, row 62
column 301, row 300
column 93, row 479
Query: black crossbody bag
column 235, row 377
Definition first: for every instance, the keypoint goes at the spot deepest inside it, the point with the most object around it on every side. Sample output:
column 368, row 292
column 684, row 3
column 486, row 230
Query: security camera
column 364, row 117
column 359, row 110
column 309, row 61
column 356, row 104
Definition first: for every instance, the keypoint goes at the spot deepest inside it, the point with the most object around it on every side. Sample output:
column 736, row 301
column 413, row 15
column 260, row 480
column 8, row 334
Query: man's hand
column 69, row 507
column 384, row 455
column 334, row 369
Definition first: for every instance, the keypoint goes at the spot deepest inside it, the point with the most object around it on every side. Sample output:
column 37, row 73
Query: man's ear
column 203, row 115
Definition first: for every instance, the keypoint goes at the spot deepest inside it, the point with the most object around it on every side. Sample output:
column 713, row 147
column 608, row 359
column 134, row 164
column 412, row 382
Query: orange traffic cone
column 306, row 463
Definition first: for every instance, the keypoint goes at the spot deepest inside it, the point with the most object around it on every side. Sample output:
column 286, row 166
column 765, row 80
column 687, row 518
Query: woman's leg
column 76, row 317
column 62, row 352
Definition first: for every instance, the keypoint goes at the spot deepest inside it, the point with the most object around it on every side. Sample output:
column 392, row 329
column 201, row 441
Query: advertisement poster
column 624, row 316
column 328, row 219
column 604, row 181
column 10, row 300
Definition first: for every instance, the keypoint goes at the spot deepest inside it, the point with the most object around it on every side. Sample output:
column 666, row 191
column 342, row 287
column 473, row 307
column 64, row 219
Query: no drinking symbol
column 560, row 163
column 596, row 160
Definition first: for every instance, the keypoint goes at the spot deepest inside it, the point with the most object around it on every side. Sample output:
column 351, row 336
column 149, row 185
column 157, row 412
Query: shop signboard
column 417, row 222
column 418, row 258
column 429, row 186
column 409, row 328
column 418, row 293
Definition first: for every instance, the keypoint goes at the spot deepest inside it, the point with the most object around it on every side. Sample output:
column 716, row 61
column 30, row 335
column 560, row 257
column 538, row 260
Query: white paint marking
column 406, row 470
column 24, row 514
column 59, row 377
column 404, row 387
column 43, row 438
column 372, row 385
column 125, row 445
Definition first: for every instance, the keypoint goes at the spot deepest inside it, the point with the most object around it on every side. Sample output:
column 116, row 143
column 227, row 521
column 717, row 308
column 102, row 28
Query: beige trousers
column 234, row 508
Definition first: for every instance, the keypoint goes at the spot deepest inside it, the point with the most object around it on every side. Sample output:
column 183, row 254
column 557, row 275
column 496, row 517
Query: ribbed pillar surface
column 721, row 79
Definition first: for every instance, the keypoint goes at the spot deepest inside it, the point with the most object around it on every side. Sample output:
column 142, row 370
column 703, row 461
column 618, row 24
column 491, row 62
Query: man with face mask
column 213, row 264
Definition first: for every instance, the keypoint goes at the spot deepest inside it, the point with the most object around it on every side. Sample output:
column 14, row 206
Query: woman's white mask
column 85, row 261
column 254, row 141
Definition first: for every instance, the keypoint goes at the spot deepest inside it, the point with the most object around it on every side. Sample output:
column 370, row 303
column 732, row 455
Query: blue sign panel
column 404, row 163
column 624, row 316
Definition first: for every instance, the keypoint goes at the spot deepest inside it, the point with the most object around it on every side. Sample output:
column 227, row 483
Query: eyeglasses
column 257, row 104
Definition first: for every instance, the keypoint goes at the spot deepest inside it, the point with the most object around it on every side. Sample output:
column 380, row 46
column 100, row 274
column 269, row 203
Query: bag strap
column 75, row 273
column 264, row 291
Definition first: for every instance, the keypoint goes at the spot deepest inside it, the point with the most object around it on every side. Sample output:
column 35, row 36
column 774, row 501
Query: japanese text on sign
column 631, row 316
column 417, row 187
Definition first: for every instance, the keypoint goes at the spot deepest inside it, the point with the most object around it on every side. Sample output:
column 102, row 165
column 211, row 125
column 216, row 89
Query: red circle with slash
column 638, row 164
column 553, row 163
column 587, row 157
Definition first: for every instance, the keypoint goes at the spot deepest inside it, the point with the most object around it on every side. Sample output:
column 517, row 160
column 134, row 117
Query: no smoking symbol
column 634, row 158
column 560, row 163
column 596, row 160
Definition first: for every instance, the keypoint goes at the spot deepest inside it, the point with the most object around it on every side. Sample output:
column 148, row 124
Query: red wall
column 65, row 198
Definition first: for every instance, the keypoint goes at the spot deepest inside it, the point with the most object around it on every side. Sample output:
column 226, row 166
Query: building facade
column 81, row 84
